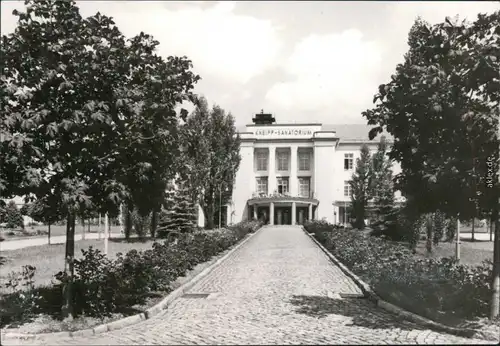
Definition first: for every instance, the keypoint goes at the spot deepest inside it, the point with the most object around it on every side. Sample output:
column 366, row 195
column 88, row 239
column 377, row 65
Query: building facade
column 290, row 173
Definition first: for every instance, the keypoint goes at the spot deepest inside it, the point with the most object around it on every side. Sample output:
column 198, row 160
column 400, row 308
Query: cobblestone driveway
column 279, row 288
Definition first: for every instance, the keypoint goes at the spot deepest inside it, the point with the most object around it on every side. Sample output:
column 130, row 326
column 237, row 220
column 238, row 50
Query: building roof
column 353, row 132
column 345, row 132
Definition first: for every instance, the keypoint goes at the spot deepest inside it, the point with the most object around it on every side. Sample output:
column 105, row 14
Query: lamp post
column 345, row 214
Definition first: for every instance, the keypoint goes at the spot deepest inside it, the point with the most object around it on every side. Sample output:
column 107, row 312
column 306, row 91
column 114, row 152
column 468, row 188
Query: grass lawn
column 471, row 253
column 54, row 231
column 49, row 259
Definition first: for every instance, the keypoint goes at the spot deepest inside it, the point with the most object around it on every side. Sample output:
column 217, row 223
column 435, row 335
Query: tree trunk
column 430, row 232
column 154, row 223
column 209, row 218
column 83, row 228
column 495, row 299
column 128, row 222
column 88, row 226
column 106, row 233
column 473, row 228
column 49, row 234
column 67, row 308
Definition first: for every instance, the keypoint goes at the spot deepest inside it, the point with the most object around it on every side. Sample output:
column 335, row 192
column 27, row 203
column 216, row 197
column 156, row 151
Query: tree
column 78, row 99
column 14, row 218
column 180, row 214
column 442, row 107
column 46, row 211
column 361, row 185
column 3, row 211
column 210, row 157
column 382, row 185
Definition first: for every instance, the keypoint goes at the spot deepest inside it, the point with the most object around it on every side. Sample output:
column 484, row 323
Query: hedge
column 441, row 290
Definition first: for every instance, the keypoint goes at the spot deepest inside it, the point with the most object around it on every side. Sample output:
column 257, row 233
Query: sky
column 306, row 61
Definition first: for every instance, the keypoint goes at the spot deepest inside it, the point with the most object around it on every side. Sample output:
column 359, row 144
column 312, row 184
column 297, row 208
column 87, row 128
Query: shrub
column 92, row 290
column 23, row 301
column 102, row 286
column 14, row 218
column 439, row 289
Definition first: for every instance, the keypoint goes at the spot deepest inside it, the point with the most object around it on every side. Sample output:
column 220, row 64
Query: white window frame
column 304, row 184
column 348, row 161
column 283, row 162
column 304, row 161
column 347, row 189
column 262, row 185
column 261, row 161
column 285, row 183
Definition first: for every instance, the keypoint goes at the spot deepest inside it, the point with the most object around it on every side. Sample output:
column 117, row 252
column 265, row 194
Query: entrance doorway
column 282, row 215
column 263, row 214
column 302, row 215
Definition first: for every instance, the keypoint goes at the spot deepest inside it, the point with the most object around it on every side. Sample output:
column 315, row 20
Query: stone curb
column 373, row 297
column 130, row 320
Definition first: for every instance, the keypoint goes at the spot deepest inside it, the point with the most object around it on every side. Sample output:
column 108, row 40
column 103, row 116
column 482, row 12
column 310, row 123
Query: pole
column 345, row 214
column 83, row 228
column 99, row 227
column 457, row 248
column 106, row 234
column 490, row 228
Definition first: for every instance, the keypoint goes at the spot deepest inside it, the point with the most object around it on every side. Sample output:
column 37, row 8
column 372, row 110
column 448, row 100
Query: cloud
column 328, row 71
column 224, row 45
column 333, row 77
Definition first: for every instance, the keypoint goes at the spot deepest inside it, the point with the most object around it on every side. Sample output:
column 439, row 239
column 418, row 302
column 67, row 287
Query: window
column 262, row 185
column 347, row 189
column 282, row 161
column 261, row 161
column 348, row 161
column 304, row 161
column 304, row 187
column 283, row 185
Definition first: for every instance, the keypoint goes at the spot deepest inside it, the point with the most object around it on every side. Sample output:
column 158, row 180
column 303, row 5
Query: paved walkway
column 7, row 245
column 279, row 288
column 477, row 236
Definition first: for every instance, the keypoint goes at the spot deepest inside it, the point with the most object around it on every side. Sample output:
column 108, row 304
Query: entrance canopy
column 282, row 199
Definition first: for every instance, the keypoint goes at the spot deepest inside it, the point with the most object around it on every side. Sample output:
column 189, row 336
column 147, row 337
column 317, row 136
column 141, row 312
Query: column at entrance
column 294, row 213
column 271, row 213
column 310, row 215
column 255, row 211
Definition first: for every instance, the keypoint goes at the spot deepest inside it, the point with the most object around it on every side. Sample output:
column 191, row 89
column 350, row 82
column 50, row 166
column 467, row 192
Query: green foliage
column 450, row 229
column 44, row 210
column 89, row 117
column 13, row 216
column 210, row 157
column 104, row 286
column 181, row 215
column 3, row 212
column 438, row 289
column 361, row 184
column 439, row 227
column 382, row 185
column 442, row 107
column 24, row 300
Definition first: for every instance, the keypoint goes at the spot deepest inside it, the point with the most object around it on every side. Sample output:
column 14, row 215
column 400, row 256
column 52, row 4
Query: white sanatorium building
column 290, row 173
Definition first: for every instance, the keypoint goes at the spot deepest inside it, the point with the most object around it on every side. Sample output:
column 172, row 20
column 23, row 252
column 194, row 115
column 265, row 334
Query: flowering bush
column 438, row 289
